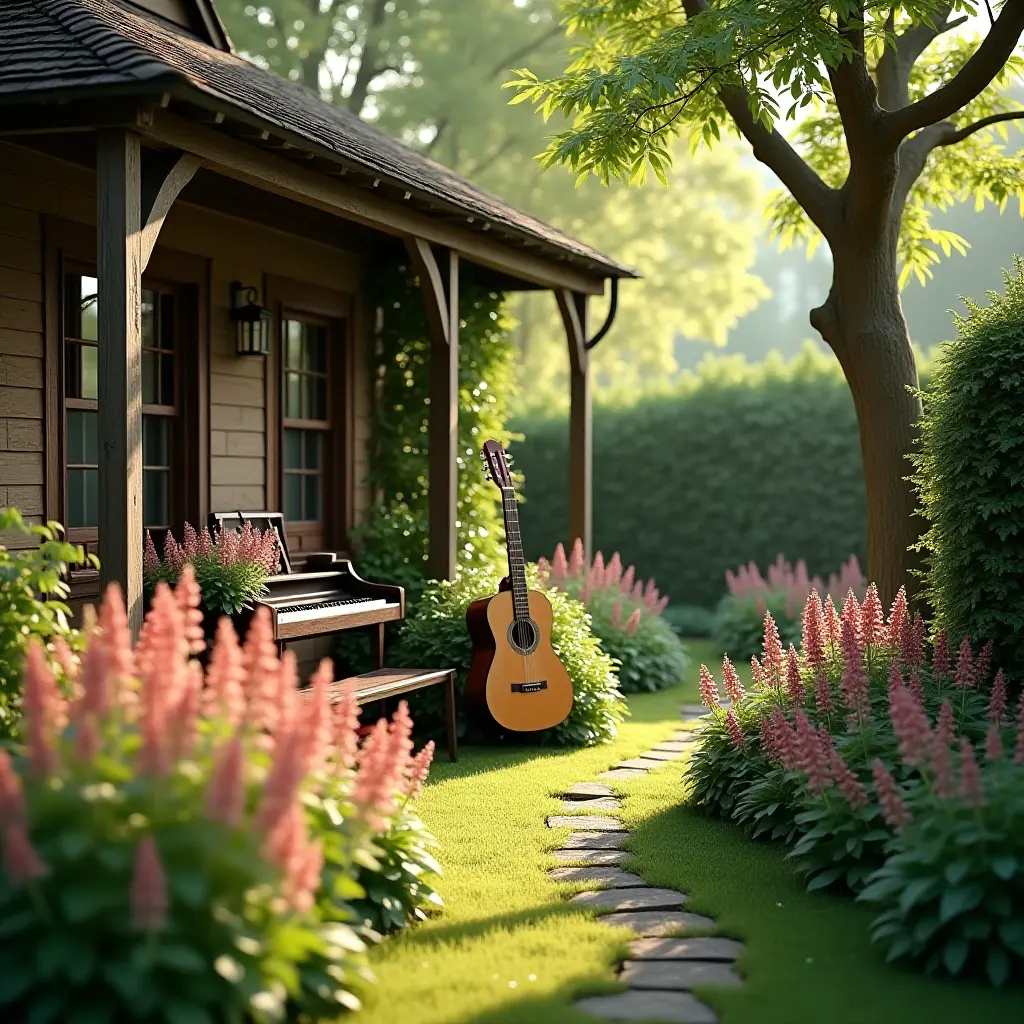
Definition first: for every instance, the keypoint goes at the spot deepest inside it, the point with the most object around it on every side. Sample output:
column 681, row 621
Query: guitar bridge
column 541, row 684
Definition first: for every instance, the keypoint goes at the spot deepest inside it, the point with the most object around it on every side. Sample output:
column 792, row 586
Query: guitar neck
column 516, row 561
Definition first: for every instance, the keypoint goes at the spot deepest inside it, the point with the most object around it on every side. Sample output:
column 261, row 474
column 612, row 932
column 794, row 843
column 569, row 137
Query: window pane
column 82, row 446
column 150, row 386
column 167, row 380
column 149, row 335
column 293, row 344
column 80, row 371
column 83, row 497
column 156, row 503
column 156, row 447
column 293, row 449
column 311, row 502
column 80, row 307
column 317, row 398
column 292, row 497
column 167, row 339
column 292, row 396
column 313, row 444
column 316, row 349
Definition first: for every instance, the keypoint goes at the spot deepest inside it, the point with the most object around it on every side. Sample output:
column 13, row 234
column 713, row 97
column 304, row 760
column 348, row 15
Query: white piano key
column 329, row 611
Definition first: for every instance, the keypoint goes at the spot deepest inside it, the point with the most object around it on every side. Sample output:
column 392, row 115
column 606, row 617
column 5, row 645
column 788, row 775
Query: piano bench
column 383, row 683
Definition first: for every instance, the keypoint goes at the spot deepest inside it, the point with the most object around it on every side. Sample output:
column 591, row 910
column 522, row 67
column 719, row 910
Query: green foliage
column 737, row 462
column 968, row 468
column 690, row 620
column 739, row 623
column 436, row 634
column 647, row 72
column 33, row 589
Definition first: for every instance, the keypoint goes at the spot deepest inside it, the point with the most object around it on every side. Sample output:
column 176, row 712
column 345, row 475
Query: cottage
column 184, row 241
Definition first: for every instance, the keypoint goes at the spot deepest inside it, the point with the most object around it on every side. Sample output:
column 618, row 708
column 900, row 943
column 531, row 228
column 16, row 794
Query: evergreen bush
column 969, row 471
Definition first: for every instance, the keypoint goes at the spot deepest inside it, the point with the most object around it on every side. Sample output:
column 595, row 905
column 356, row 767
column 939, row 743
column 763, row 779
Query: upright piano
column 324, row 596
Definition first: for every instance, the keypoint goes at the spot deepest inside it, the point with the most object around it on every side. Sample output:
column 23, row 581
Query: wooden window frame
column 298, row 300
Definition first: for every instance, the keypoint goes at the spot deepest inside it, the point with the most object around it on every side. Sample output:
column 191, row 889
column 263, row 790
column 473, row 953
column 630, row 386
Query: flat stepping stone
column 694, row 710
column 595, row 840
column 631, row 899
column 588, row 822
column 623, row 774
column 685, row 949
column 585, row 790
column 684, row 736
column 669, row 1007
column 593, row 857
column 595, row 803
column 611, row 877
column 662, row 755
column 639, row 764
column 655, row 923
column 678, row 975
column 677, row 745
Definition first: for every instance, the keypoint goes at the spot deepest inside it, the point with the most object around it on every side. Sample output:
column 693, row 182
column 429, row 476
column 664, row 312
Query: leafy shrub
column 32, row 592
column 690, row 621
column 436, row 634
column 739, row 619
column 231, row 566
column 625, row 614
column 970, row 460
column 177, row 851
column 859, row 753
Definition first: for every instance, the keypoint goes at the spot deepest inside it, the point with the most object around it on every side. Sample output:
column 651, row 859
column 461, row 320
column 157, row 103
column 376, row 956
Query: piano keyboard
column 308, row 610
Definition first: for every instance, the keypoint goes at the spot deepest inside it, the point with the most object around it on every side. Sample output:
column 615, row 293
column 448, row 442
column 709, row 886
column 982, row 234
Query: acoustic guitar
column 516, row 681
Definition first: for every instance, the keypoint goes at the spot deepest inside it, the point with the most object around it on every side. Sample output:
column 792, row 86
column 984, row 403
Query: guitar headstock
column 497, row 462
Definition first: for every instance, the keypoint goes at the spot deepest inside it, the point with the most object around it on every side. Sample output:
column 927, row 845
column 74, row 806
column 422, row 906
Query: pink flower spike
column 735, row 732
column 794, row 684
column 44, row 712
column 872, row 619
column 633, row 621
column 12, row 796
column 576, row 559
column 559, row 565
column 585, row 594
column 756, row 671
column 971, row 788
column 21, row 862
column 940, row 657
column 851, row 619
column 812, row 755
column 731, row 681
column 225, row 794
column 849, row 784
column 626, row 583
column 855, row 683
column 897, row 620
column 617, row 614
column 894, row 809
column 150, row 559
column 813, row 630
column 916, row 687
column 833, row 627
column 189, row 597
column 997, row 702
column 419, row 770
column 149, row 888
column 963, row 678
column 984, row 664
column 823, row 694
column 910, row 724
column 345, row 736
column 993, row 744
column 708, row 689
column 772, row 654
column 613, row 575
column 1018, row 750
column 116, row 638
column 222, row 696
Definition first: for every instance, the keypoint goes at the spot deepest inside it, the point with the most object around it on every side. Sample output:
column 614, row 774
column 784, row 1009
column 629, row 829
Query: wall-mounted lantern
column 252, row 321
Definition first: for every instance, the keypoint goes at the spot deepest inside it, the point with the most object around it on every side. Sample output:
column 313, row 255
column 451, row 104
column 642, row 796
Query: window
column 160, row 394
column 306, row 421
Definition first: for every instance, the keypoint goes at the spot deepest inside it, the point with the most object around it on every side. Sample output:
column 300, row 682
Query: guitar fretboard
column 516, row 561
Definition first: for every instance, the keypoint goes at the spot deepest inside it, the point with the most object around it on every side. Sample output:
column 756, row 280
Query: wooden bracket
column 572, row 308
column 438, row 288
column 163, row 178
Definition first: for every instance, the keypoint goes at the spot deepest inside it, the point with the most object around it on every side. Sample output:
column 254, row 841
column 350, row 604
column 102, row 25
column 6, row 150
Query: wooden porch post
column 119, row 390
column 438, row 273
column 573, row 307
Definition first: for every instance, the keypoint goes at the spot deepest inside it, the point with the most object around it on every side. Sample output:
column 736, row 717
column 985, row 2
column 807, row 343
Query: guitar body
column 516, row 681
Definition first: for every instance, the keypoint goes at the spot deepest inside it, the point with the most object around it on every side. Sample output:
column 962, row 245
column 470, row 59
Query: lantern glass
column 252, row 325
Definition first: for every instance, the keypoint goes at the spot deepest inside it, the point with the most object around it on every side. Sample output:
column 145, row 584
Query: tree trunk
column 862, row 321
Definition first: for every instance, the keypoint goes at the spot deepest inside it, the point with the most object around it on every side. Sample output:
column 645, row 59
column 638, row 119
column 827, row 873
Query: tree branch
column 368, row 69
column 853, row 88
column 955, row 135
column 901, row 55
column 983, row 65
column 525, row 50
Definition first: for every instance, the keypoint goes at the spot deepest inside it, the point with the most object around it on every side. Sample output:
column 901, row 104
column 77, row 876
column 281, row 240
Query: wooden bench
column 384, row 683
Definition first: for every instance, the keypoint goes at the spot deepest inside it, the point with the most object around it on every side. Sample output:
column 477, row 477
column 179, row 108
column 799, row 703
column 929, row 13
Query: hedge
column 738, row 462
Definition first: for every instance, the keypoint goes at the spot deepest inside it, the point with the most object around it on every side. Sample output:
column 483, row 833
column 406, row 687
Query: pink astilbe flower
column 940, row 763
column 301, row 861
column 708, row 689
column 940, row 657
column 614, row 571
column 44, row 712
column 963, row 678
column 190, row 542
column 972, row 789
column 598, row 570
column 283, row 780
column 87, row 738
column 559, row 565
column 184, row 715
column 916, row 687
column 544, row 570
column 997, row 702
column 317, row 718
column 735, row 732
column 993, row 744
column 767, row 738
column 731, row 681
column 259, row 655
column 205, row 546
column 22, row 864
column 772, row 657
column 917, row 640
column 854, row 685
column 894, row 808
column 189, row 598
column 345, row 726
column 150, row 559
column 897, row 620
column 872, row 618
column 149, row 897
column 585, row 594
column 576, row 559
column 419, row 769
column 617, row 614
column 984, row 664
column 223, row 695
column 12, row 796
column 785, row 742
column 66, row 658
column 174, row 554
column 794, row 684
column 382, row 767
column 633, row 621
column 850, row 618
column 116, row 638
column 833, row 625
column 626, row 583
column 895, row 678
column 660, row 605
column 849, row 784
column 944, row 724
column 1018, row 750
column 304, row 879
column 813, row 630
column 813, row 757
column 225, row 792
column 911, row 726
column 94, row 680
column 823, row 694
column 638, row 592
column 756, row 671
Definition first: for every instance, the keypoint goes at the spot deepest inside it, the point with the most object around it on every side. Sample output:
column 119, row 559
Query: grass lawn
column 508, row 948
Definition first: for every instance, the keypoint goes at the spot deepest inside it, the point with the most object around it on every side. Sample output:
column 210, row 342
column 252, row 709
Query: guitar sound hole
column 523, row 635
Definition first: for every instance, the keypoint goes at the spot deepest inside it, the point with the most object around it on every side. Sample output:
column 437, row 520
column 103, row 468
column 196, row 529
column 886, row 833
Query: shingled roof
column 63, row 49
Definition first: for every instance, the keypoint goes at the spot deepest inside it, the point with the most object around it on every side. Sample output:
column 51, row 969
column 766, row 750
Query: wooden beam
column 438, row 274
column 162, row 181
column 573, row 308
column 119, row 308
column 74, row 116
column 234, row 159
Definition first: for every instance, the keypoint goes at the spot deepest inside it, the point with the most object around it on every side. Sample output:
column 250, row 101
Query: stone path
column 662, row 967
